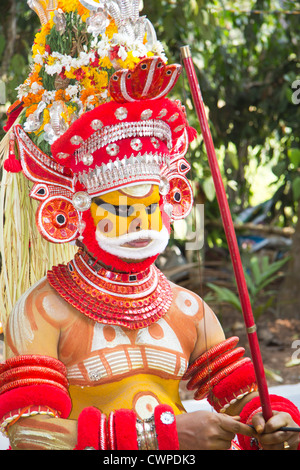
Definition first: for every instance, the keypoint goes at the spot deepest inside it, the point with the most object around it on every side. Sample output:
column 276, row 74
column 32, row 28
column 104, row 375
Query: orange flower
column 31, row 109
column 31, row 98
column 61, row 95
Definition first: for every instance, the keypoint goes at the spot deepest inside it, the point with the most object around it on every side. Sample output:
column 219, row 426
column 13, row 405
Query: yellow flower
column 111, row 29
column 70, row 73
column 51, row 60
column 130, row 62
column 105, row 63
column 74, row 5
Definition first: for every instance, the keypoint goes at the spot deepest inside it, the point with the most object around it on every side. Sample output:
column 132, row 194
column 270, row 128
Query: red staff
column 230, row 235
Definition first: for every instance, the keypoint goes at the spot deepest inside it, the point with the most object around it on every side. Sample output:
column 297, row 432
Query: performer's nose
column 139, row 224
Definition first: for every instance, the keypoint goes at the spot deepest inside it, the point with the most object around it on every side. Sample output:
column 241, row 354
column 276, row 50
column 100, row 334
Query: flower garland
column 73, row 56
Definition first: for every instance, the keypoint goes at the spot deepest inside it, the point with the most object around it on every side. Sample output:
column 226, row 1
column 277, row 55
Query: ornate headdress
column 93, row 114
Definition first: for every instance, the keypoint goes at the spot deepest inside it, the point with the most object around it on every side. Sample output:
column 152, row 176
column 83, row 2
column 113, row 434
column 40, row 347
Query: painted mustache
column 155, row 243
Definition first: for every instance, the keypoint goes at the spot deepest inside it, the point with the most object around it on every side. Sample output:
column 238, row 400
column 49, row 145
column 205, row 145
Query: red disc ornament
column 180, row 196
column 57, row 220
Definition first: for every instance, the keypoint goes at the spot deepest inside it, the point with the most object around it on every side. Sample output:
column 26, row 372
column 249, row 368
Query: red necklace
column 129, row 300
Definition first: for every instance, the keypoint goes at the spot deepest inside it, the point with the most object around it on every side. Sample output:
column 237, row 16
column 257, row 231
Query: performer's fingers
column 233, row 425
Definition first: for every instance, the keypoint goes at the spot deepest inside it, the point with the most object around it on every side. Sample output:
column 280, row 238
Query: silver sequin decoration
column 121, row 113
column 112, row 149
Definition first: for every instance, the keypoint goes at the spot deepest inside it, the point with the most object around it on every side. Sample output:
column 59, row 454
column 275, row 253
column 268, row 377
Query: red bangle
column 44, row 395
column 165, row 427
column 209, row 355
column 212, row 367
column 36, row 360
column 91, row 430
column 236, row 385
column 250, row 409
column 125, row 433
column 33, row 371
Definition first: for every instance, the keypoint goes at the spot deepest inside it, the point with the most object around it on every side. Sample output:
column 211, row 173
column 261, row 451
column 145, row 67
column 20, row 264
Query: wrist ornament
column 122, row 430
column 222, row 375
column 253, row 407
column 33, row 384
column 91, row 430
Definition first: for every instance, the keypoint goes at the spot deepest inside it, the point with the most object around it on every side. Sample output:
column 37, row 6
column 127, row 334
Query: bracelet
column 125, row 432
column 233, row 387
column 35, row 360
column 38, row 395
column 146, row 435
column 254, row 406
column 13, row 416
column 91, row 430
column 165, row 426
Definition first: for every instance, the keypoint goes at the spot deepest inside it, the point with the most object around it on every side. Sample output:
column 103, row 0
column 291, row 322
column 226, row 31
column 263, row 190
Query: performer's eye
column 152, row 208
column 124, row 211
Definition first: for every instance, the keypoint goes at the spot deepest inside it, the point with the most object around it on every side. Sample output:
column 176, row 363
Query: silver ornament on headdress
column 126, row 14
column 43, row 9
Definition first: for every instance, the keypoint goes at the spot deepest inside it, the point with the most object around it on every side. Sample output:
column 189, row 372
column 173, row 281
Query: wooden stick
column 230, row 235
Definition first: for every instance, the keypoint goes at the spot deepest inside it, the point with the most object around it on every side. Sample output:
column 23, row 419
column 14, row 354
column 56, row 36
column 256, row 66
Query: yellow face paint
column 116, row 213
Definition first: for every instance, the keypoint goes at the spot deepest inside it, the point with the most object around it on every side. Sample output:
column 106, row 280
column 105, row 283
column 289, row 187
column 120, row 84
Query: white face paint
column 144, row 244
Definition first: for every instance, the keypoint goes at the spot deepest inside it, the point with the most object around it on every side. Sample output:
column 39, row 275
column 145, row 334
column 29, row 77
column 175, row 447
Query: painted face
column 129, row 222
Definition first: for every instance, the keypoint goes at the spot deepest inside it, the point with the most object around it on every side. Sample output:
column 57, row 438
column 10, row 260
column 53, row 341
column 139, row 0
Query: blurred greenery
column 246, row 56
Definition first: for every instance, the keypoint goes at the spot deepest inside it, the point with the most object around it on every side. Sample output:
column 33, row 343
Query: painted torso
column 110, row 366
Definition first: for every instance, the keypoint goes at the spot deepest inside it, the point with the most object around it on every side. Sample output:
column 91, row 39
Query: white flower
column 49, row 96
column 54, row 69
column 122, row 53
column 35, row 87
column 72, row 90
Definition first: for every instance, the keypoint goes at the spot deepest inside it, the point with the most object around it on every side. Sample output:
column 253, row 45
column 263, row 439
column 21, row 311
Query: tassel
column 192, row 133
column 12, row 164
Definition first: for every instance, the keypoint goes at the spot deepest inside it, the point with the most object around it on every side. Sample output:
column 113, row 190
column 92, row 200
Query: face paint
column 128, row 225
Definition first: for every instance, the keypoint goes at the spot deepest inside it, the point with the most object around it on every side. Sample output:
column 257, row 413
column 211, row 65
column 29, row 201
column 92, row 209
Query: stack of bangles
column 31, row 385
column 222, row 375
column 122, row 430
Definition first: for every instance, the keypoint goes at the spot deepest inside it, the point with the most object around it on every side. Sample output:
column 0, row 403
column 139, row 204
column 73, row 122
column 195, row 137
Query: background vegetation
column 247, row 59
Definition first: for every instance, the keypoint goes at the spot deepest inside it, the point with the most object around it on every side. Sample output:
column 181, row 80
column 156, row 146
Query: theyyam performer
column 96, row 349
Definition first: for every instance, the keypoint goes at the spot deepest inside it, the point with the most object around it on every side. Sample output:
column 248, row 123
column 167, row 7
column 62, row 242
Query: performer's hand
column 205, row 430
column 268, row 434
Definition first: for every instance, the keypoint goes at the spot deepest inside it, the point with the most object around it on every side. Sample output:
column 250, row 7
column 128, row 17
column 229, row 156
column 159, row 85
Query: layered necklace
column 129, row 300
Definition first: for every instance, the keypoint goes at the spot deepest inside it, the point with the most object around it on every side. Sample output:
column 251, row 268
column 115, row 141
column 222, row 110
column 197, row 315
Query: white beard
column 114, row 245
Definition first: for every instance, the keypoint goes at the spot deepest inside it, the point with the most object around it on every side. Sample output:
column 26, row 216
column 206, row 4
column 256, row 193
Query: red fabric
column 88, row 428
column 167, row 437
column 125, row 430
column 250, row 409
column 12, row 114
column 106, row 114
column 239, row 381
column 46, row 395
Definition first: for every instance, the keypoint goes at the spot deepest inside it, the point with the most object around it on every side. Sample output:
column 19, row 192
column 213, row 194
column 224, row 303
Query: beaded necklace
column 129, row 300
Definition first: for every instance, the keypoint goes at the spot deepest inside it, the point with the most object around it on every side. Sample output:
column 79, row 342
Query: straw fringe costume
column 93, row 124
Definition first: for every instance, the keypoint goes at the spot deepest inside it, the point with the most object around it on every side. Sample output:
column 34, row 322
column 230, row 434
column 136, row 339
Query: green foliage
column 260, row 275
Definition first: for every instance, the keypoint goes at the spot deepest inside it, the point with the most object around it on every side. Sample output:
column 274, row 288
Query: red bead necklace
column 129, row 300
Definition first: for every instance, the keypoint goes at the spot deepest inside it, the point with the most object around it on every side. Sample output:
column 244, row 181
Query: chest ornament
column 130, row 300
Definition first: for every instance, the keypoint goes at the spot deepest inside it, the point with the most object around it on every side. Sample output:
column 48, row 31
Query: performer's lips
column 138, row 243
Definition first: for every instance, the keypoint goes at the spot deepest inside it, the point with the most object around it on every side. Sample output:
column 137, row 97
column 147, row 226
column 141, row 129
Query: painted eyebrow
column 121, row 208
